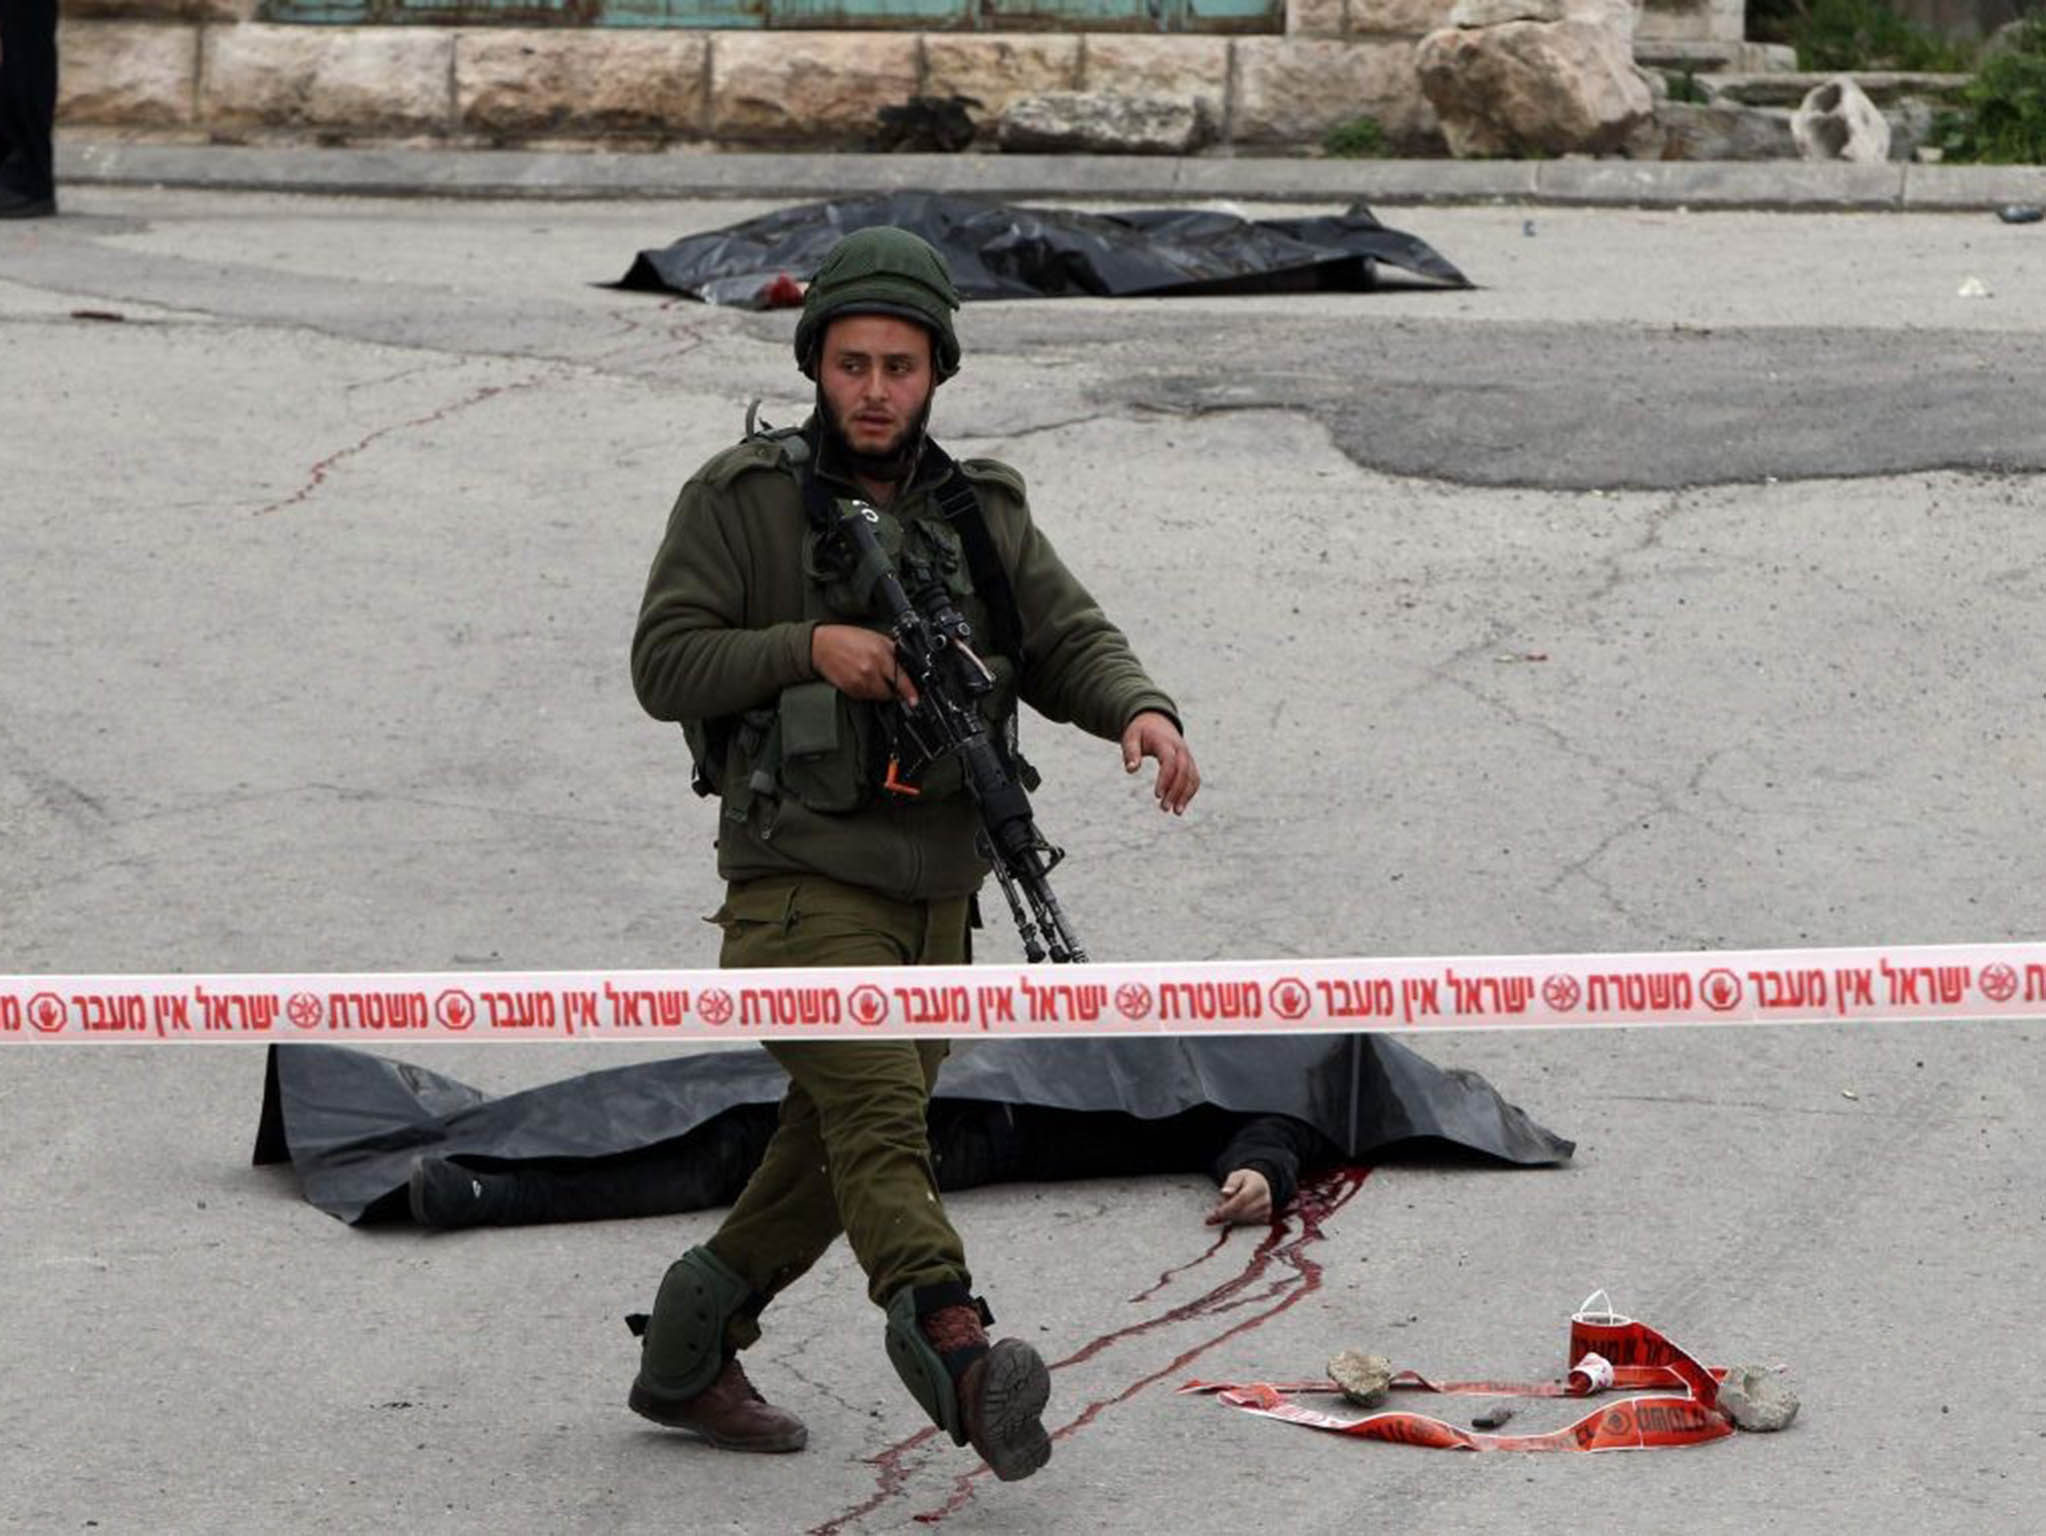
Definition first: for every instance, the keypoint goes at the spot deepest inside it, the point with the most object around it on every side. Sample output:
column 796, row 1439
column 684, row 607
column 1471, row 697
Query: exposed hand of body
column 1246, row 1200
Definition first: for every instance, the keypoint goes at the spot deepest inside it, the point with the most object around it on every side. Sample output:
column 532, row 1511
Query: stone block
column 1398, row 18
column 1714, row 58
column 1726, row 184
column 1496, row 13
column 823, row 88
column 127, row 74
column 1290, row 92
column 1189, row 68
column 1689, row 21
column 1788, row 88
column 1315, row 18
column 513, row 83
column 997, row 70
column 1948, row 187
column 366, row 81
column 1693, row 21
column 1693, row 132
column 156, row 10
column 1106, row 123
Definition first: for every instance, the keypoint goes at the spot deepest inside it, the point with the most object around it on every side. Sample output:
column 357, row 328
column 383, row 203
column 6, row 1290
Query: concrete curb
column 694, row 174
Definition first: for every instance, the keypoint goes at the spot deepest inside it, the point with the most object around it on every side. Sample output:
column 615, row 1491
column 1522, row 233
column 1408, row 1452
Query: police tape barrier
column 1946, row 982
column 1606, row 1351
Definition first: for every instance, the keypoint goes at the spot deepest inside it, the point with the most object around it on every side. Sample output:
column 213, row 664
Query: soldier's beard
column 893, row 464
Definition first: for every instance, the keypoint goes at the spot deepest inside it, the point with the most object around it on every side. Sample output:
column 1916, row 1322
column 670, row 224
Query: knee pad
column 683, row 1348
column 921, row 1368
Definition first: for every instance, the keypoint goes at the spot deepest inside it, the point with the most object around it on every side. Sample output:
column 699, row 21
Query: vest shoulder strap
column 959, row 503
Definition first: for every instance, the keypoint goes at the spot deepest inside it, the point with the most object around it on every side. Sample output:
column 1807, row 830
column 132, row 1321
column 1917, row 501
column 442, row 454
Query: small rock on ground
column 1755, row 1398
column 1363, row 1378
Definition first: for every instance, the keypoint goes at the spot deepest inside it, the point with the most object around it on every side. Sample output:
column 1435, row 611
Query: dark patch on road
column 1580, row 407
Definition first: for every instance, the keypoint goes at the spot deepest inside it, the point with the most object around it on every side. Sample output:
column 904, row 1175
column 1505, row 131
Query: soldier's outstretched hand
column 1152, row 734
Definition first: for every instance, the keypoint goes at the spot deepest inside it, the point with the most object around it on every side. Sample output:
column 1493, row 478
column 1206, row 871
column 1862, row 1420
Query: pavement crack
column 388, row 334
column 58, row 795
column 1020, row 434
column 66, row 800
column 787, row 1361
column 1662, row 800
column 1653, row 525
column 553, row 370
column 317, row 475
column 412, row 372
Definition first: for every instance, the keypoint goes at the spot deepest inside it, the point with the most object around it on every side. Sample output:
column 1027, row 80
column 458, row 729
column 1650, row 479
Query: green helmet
column 881, row 270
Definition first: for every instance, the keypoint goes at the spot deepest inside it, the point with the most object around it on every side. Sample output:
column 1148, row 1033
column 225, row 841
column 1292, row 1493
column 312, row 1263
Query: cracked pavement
column 1680, row 587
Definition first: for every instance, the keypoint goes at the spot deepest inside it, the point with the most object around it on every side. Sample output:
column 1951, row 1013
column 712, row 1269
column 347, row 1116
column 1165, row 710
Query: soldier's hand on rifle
column 860, row 662
column 1152, row 734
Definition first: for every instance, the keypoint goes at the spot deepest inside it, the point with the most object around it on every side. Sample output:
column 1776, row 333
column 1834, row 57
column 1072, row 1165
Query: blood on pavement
column 1318, row 1199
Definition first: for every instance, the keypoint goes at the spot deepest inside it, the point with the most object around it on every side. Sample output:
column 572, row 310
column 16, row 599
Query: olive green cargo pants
column 851, row 1152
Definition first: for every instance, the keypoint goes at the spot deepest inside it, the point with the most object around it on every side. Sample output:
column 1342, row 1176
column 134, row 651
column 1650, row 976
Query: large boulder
column 1100, row 123
column 1555, row 77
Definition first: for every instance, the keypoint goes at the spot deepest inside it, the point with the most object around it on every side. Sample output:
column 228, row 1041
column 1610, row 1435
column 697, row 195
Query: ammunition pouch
column 830, row 757
column 713, row 744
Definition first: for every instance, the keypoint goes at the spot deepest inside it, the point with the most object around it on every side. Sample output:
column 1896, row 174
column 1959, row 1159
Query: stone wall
column 206, row 70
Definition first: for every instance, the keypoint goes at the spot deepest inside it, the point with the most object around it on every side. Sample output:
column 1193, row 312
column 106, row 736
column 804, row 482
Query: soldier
column 755, row 639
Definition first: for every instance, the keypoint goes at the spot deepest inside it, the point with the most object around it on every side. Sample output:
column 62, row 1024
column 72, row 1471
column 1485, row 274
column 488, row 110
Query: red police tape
column 1945, row 982
column 1606, row 1350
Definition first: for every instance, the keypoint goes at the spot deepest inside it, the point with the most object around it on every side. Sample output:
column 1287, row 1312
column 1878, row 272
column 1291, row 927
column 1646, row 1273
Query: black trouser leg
column 709, row 1168
column 28, row 94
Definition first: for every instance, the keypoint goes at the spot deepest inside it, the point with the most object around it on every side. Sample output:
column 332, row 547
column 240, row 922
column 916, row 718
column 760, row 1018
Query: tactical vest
column 823, row 748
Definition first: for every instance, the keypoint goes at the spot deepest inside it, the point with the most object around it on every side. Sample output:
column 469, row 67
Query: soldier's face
column 876, row 375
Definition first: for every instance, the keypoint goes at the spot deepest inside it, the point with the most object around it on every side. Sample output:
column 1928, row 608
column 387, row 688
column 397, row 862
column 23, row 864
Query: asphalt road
column 1680, row 587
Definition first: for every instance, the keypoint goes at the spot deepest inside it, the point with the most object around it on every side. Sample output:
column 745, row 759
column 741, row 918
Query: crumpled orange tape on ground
column 1640, row 1358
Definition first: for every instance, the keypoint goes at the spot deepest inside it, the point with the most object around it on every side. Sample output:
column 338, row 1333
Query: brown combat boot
column 1002, row 1391
column 729, row 1413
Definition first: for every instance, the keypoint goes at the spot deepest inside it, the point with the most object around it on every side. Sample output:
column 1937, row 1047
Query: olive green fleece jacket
column 725, row 627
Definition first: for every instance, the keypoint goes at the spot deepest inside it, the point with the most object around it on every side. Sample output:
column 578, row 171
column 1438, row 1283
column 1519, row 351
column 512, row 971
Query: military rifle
column 934, row 645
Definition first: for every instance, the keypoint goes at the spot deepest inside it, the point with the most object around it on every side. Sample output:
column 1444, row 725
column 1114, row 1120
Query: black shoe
column 24, row 205
column 443, row 1194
